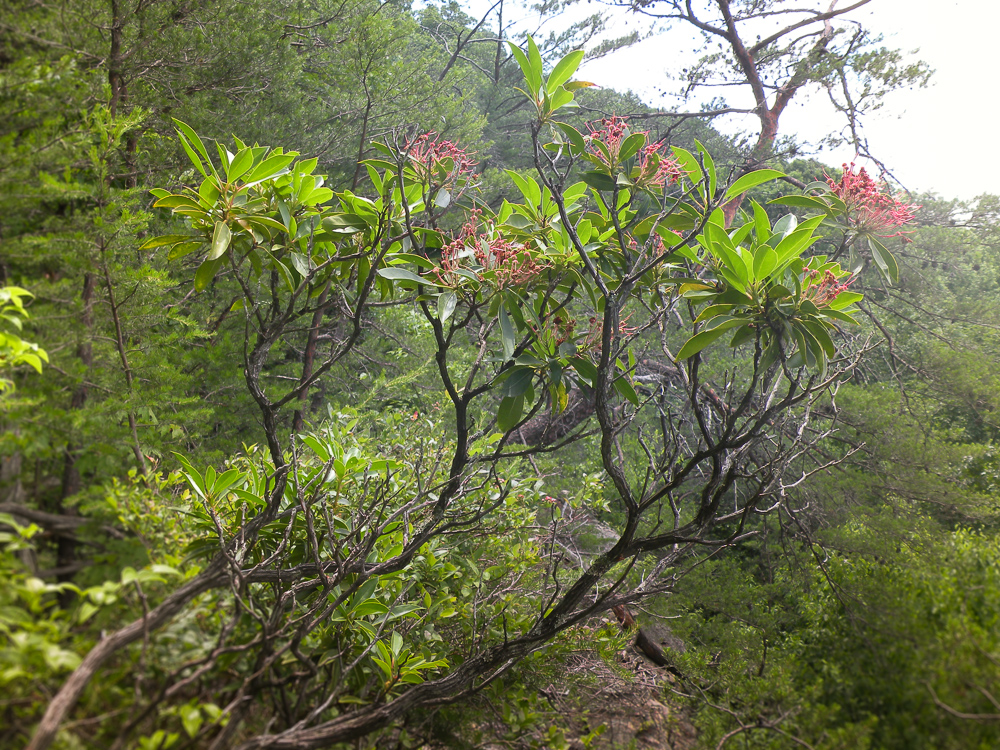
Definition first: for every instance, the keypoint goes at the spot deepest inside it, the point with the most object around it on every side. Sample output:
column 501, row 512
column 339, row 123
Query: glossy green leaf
column 574, row 137
column 626, row 390
column 518, row 381
column 846, row 298
column 713, row 311
column 764, row 262
column 528, row 187
column 689, row 164
column 584, row 368
column 447, row 302
column 507, row 337
column 401, row 274
column 750, row 181
column 186, row 248
column 220, row 240
column 599, row 181
column 533, row 80
column 801, row 201
column 564, row 70
column 165, row 239
column 761, row 222
column 631, row 145
column 206, row 272
column 509, row 413
column 240, row 165
column 188, row 136
column 177, row 201
column 703, row 338
column 884, row 260
column 369, row 607
column 271, row 167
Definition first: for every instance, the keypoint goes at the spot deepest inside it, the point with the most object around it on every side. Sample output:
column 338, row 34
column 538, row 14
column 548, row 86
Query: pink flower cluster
column 827, row 289
column 595, row 333
column 512, row 264
column 655, row 169
column 437, row 161
column 870, row 211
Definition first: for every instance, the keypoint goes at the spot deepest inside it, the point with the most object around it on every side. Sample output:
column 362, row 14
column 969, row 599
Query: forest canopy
column 365, row 374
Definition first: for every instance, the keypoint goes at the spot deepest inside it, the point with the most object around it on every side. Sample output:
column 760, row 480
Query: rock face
column 636, row 713
column 628, row 699
column 598, row 704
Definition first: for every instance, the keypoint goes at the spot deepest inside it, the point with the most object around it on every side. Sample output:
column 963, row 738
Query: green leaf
column 528, row 187
column 742, row 336
column 190, row 719
column 560, row 99
column 599, row 181
column 713, row 311
column 739, row 235
column 844, row 299
column 300, row 262
column 164, row 239
column 240, row 165
column 764, row 261
column 509, row 413
column 220, row 240
column 794, row 243
column 689, row 164
column 800, row 201
column 177, row 201
column 185, row 248
column 537, row 66
column 784, row 227
column 884, row 260
column 206, row 272
column 507, row 336
column 722, row 246
column 584, row 368
column 270, row 167
column 749, row 181
column 419, row 260
column 762, row 224
column 518, row 382
column 838, row 315
column 369, row 607
column 401, row 274
column 822, row 336
column 190, row 139
column 779, row 291
column 574, row 137
column 522, row 61
column 563, row 70
column 625, row 389
column 702, row 339
column 630, row 147
column 447, row 302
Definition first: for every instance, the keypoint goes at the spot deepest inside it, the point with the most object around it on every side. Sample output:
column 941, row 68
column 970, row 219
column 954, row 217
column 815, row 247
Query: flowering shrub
column 825, row 286
column 617, row 151
column 438, row 162
column 864, row 212
column 508, row 262
column 357, row 524
column 869, row 210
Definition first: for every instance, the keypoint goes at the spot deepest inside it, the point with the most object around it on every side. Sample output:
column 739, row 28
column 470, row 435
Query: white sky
column 940, row 139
